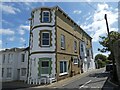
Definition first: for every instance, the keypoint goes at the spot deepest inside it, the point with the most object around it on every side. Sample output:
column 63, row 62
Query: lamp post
column 111, row 49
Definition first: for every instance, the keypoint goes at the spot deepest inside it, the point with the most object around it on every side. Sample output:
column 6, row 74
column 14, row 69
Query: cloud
column 11, row 38
column 77, row 12
column 6, row 22
column 7, row 32
column 21, row 32
column 98, row 25
column 22, row 39
column 25, row 27
column 9, row 9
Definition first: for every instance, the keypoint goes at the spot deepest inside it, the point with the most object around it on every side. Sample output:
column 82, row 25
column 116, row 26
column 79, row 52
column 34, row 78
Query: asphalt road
column 95, row 80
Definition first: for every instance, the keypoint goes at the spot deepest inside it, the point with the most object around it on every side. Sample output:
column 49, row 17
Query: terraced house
column 59, row 48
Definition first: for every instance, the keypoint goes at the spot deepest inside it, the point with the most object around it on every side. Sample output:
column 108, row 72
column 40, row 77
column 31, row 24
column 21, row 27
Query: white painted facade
column 87, row 61
column 38, row 51
column 12, row 65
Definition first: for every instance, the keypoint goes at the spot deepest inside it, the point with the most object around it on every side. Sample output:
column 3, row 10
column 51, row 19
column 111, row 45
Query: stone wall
column 117, row 57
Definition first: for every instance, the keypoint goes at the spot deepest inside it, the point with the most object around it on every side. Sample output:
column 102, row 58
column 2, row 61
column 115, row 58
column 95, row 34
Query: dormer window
column 45, row 16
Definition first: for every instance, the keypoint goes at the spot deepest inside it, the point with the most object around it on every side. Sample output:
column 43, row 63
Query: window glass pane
column 46, row 19
column 65, row 66
column 45, row 35
column 46, row 13
column 45, row 63
column 63, row 41
column 45, row 38
column 45, row 42
column 23, row 71
column 61, row 67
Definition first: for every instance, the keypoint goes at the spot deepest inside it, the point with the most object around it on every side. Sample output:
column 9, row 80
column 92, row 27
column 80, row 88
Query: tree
column 114, row 36
column 100, row 57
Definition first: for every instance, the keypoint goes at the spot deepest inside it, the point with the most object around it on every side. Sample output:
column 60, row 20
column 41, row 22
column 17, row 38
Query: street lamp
column 111, row 48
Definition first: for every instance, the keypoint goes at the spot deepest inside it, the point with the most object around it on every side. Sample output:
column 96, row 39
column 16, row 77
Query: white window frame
column 43, row 16
column 42, row 38
column 64, row 73
column 62, row 41
column 74, row 60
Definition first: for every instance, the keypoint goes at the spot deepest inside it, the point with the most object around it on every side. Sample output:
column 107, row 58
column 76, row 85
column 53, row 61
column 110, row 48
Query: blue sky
column 89, row 15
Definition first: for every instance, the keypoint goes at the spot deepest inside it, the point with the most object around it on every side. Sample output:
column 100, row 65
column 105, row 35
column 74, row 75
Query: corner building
column 58, row 46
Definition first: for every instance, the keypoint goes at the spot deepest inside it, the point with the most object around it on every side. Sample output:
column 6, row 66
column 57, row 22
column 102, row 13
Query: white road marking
column 85, row 84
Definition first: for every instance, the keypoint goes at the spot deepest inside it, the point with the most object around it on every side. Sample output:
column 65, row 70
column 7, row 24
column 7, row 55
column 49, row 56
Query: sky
column 14, row 16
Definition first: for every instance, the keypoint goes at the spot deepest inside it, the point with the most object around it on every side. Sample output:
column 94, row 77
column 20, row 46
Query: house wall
column 65, row 29
column 15, row 64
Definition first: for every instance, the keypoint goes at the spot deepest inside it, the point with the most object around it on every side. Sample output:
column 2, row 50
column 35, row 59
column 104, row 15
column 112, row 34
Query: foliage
column 106, row 43
column 100, row 57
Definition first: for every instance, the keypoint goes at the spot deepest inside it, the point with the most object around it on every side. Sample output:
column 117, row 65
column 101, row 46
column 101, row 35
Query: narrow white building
column 14, row 64
column 86, row 56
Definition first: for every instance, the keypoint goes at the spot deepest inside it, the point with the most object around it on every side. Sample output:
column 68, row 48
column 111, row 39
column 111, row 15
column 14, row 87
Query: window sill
column 62, row 48
column 75, row 63
column 65, row 73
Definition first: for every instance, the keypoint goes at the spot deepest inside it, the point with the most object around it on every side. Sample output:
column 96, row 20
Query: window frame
column 64, row 71
column 75, row 46
column 43, row 16
column 3, row 58
column 74, row 61
column 45, row 67
column 22, row 70
column 42, row 38
column 62, row 41
column 9, row 72
column 22, row 60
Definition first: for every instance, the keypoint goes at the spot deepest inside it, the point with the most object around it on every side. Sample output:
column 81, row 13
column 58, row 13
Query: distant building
column 14, row 64
column 59, row 48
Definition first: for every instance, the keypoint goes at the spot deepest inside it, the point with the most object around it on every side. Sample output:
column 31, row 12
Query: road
column 98, row 79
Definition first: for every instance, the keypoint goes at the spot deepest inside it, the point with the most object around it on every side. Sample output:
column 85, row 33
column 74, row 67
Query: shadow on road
column 99, row 75
column 109, row 86
column 16, row 85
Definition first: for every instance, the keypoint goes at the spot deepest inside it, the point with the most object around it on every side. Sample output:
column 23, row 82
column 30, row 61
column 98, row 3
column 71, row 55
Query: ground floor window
column 45, row 67
column 63, row 67
column 75, row 61
column 9, row 72
column 23, row 71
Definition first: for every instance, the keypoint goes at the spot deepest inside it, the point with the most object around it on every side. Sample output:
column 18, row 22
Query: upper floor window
column 81, row 47
column 23, row 57
column 88, row 53
column 3, row 58
column 62, row 42
column 8, row 58
column 75, row 46
column 45, row 16
column 45, row 39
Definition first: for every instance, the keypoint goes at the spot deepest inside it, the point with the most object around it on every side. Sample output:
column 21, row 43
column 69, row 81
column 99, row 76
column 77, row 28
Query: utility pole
column 114, row 73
